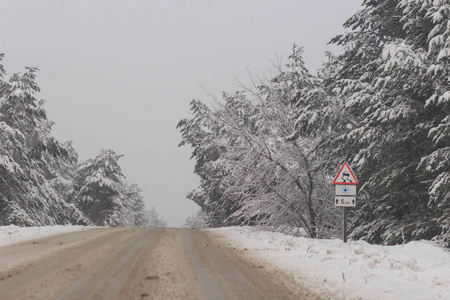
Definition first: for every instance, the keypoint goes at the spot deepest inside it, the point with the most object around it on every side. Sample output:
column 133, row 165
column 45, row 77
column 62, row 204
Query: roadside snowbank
column 417, row 270
column 14, row 234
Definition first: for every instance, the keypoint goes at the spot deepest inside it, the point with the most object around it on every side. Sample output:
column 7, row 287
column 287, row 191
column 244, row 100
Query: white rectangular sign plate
column 345, row 201
column 345, row 190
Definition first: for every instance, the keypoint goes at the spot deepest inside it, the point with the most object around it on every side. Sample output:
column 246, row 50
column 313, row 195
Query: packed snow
column 353, row 270
column 14, row 234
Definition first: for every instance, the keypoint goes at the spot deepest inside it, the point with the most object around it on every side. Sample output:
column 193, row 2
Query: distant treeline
column 267, row 155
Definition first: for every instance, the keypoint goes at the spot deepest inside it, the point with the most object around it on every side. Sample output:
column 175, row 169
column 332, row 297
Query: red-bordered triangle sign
column 345, row 176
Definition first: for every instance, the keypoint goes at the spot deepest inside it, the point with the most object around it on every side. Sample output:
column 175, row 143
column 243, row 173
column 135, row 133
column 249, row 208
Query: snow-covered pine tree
column 99, row 190
column 11, row 174
column 2, row 74
column 200, row 132
column 196, row 220
column 61, row 169
column 393, row 78
column 37, row 171
column 152, row 219
column 21, row 110
column 135, row 208
column 437, row 160
column 13, row 179
column 27, row 197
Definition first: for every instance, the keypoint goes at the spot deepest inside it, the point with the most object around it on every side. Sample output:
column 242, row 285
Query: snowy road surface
column 141, row 264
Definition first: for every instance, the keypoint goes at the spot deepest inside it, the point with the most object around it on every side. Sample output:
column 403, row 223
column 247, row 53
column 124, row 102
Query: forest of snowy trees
column 41, row 180
column 266, row 155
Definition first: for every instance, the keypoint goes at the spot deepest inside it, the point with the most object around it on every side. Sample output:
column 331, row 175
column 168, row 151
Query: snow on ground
column 354, row 270
column 417, row 270
column 14, row 234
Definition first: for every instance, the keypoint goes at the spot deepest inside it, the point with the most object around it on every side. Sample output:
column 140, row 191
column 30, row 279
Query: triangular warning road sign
column 345, row 176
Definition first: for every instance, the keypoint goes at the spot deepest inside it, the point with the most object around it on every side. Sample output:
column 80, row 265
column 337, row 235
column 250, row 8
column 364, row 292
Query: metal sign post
column 345, row 192
column 345, row 224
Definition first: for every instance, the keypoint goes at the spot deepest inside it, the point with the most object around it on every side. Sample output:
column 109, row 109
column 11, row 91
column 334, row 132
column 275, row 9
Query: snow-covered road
column 219, row 263
column 137, row 263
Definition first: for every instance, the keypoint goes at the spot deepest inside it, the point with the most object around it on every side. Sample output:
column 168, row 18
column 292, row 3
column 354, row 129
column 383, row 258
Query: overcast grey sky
column 120, row 74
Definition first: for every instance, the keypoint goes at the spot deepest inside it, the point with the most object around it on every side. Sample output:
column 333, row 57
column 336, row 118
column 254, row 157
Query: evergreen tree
column 27, row 197
column 61, row 171
column 152, row 219
column 135, row 206
column 196, row 220
column 437, row 160
column 99, row 191
column 393, row 80
column 14, row 183
column 39, row 180
column 200, row 132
